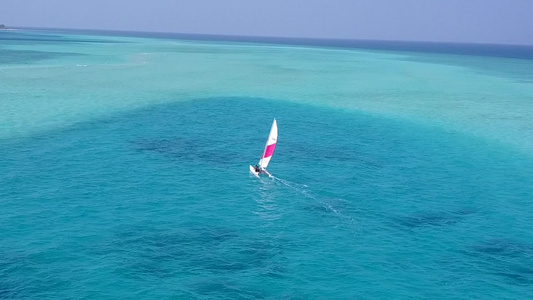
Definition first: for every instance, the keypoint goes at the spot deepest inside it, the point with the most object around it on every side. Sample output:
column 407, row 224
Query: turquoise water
column 124, row 171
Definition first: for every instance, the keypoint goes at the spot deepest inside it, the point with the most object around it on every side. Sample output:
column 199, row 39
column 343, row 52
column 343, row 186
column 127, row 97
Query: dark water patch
column 433, row 219
column 507, row 259
column 521, row 276
column 207, row 151
column 167, row 243
column 517, row 277
column 9, row 293
column 29, row 36
column 197, row 250
column 29, row 274
column 503, row 247
column 16, row 274
column 519, row 70
column 427, row 219
column 8, row 57
column 9, row 288
column 163, row 255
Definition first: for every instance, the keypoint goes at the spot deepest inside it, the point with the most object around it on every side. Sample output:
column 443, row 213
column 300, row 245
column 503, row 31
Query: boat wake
column 296, row 187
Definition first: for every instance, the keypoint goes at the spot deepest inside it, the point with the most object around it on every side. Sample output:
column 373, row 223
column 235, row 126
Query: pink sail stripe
column 269, row 150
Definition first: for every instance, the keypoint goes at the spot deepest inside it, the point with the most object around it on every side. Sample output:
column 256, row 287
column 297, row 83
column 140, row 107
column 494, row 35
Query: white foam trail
column 301, row 188
column 326, row 203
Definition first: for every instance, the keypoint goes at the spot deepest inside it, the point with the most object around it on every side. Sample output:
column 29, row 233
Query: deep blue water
column 158, row 203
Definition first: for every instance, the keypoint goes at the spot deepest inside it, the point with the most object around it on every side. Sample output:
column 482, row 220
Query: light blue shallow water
column 141, row 190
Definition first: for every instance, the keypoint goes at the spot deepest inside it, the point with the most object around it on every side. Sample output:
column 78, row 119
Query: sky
column 470, row 21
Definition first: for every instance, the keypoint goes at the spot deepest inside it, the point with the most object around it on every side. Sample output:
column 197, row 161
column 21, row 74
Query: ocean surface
column 402, row 171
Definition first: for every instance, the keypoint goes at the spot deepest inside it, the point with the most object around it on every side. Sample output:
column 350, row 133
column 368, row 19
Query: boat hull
column 252, row 170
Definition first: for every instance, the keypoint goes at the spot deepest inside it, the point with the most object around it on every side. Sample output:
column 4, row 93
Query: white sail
column 270, row 146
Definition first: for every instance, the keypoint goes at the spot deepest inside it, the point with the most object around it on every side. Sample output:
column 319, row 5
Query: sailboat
column 260, row 168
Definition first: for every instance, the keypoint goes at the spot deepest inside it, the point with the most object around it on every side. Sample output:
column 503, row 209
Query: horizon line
column 287, row 38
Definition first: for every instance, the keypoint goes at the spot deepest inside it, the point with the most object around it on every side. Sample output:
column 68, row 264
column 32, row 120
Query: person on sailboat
column 257, row 169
